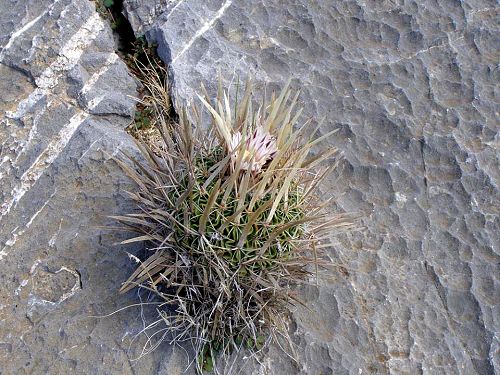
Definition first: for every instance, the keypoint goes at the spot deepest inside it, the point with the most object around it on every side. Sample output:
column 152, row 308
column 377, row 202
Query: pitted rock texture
column 413, row 88
column 65, row 99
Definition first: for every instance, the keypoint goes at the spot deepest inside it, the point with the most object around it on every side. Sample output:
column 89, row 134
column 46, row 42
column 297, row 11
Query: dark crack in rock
column 412, row 87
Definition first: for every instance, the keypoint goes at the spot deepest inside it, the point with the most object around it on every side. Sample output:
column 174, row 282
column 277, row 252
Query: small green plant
column 142, row 118
column 231, row 220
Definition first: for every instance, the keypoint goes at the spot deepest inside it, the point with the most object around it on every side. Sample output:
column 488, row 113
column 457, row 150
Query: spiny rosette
column 231, row 221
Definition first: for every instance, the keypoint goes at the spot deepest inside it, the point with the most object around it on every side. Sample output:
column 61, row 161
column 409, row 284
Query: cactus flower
column 258, row 149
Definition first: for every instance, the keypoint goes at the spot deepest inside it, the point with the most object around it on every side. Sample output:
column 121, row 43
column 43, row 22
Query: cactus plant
column 231, row 220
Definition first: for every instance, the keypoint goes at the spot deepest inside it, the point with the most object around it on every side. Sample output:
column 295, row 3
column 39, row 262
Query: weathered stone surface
column 64, row 99
column 413, row 88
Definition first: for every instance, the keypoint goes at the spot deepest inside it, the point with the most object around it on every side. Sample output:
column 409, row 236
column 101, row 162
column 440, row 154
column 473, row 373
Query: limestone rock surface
column 413, row 88
column 65, row 99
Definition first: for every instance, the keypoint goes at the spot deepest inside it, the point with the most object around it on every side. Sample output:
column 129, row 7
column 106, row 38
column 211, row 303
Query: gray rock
column 413, row 88
column 65, row 101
